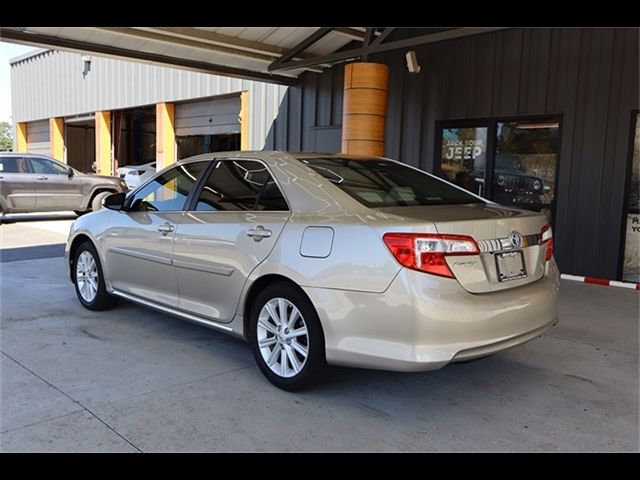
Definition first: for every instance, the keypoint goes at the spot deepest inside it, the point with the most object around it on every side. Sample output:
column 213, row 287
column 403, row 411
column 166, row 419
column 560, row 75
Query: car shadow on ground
column 457, row 383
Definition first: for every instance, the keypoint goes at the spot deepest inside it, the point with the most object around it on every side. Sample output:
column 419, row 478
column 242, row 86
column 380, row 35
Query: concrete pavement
column 131, row 379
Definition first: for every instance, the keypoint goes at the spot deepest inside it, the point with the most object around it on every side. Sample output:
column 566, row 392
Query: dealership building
column 539, row 118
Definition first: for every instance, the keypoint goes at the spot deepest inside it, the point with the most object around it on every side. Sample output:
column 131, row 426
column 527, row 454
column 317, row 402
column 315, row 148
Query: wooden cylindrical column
column 365, row 108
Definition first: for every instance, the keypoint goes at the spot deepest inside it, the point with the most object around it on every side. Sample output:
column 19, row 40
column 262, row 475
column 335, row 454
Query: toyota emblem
column 516, row 239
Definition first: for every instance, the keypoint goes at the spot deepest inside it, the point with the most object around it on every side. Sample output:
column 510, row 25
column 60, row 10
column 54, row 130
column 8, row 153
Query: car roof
column 269, row 156
column 25, row 154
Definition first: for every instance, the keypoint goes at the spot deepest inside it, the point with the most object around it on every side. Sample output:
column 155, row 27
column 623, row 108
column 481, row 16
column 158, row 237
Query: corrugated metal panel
column 51, row 84
column 208, row 117
column 590, row 76
column 38, row 137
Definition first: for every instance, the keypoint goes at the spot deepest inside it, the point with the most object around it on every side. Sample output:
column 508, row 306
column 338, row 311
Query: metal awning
column 272, row 54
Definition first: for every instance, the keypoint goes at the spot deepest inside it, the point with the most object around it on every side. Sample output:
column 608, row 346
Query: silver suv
column 31, row 182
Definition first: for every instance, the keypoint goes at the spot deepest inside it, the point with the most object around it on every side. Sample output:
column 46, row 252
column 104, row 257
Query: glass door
column 510, row 161
column 631, row 259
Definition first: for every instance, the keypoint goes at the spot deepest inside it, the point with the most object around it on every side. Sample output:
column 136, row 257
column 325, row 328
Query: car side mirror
column 70, row 172
column 115, row 201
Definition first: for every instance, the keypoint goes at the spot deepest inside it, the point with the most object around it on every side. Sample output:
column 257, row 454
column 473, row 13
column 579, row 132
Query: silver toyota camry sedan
column 320, row 260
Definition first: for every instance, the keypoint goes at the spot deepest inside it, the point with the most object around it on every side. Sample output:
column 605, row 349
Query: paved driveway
column 130, row 379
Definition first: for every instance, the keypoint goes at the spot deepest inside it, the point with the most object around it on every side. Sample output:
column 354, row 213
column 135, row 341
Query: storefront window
column 631, row 264
column 525, row 163
column 518, row 157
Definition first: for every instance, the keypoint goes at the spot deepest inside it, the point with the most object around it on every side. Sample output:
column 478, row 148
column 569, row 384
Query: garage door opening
column 134, row 136
column 208, row 125
column 80, row 140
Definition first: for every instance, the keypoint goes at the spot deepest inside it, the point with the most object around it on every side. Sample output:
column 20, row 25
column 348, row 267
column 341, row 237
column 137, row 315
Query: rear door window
column 240, row 185
column 13, row 165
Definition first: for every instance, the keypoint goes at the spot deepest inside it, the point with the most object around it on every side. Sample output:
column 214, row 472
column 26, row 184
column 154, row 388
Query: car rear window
column 383, row 183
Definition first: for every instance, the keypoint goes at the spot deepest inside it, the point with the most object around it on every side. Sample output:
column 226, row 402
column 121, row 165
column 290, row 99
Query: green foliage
column 6, row 137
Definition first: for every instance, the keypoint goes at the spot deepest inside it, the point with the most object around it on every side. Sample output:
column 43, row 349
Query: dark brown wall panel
column 588, row 76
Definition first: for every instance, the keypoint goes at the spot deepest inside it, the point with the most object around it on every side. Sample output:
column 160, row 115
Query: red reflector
column 427, row 252
column 546, row 238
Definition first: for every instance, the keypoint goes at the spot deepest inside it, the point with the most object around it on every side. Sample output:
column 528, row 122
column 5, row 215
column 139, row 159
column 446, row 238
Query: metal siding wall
column 50, row 84
column 590, row 76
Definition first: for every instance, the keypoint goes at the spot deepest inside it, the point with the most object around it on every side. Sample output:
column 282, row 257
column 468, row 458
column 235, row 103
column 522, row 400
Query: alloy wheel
column 283, row 338
column 87, row 276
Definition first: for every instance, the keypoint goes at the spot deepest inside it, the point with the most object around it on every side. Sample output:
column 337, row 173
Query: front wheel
column 286, row 338
column 89, row 279
column 96, row 203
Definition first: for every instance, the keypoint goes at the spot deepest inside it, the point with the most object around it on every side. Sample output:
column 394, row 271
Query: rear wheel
column 286, row 338
column 89, row 279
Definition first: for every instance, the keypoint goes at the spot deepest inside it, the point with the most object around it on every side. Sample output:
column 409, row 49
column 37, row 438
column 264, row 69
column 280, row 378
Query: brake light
column 546, row 237
column 427, row 252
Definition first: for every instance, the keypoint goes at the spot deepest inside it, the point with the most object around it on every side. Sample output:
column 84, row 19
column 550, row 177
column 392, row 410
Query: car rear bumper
column 423, row 322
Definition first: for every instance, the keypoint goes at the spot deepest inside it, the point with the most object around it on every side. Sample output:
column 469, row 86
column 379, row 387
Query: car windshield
column 383, row 183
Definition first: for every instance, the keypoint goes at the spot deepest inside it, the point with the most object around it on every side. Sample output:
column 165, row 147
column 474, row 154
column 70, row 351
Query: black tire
column 315, row 368
column 96, row 201
column 102, row 299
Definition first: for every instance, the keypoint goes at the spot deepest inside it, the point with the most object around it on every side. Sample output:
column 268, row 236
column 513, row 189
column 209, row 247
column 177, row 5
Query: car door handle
column 41, row 178
column 166, row 228
column 259, row 233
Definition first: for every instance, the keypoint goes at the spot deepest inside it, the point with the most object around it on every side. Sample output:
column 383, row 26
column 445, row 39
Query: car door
column 231, row 226
column 18, row 186
column 139, row 239
column 56, row 189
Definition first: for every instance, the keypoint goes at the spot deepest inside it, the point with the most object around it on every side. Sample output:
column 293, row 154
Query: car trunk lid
column 510, row 255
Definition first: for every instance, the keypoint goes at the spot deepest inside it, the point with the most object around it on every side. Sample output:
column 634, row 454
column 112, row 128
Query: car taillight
column 546, row 237
column 427, row 252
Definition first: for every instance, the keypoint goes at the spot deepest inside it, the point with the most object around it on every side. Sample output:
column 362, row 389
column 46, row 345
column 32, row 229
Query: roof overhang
column 271, row 54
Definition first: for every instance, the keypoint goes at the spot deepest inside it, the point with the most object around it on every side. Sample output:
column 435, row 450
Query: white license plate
column 510, row 265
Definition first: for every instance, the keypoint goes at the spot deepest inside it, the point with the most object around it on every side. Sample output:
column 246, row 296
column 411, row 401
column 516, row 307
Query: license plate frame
column 510, row 265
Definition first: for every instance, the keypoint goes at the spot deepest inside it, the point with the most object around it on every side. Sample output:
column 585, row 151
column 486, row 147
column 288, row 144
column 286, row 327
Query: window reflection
column 525, row 163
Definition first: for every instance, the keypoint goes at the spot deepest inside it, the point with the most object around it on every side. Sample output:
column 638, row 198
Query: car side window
column 13, row 165
column 240, row 185
column 169, row 191
column 47, row 167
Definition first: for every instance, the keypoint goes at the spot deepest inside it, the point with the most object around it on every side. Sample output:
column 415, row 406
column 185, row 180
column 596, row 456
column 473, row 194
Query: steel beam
column 383, row 47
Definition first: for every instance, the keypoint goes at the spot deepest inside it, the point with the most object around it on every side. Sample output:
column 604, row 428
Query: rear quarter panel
column 358, row 259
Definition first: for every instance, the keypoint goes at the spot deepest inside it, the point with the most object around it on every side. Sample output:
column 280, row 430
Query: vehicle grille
column 519, row 184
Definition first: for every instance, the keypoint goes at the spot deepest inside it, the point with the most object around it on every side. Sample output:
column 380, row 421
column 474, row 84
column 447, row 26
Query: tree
column 6, row 137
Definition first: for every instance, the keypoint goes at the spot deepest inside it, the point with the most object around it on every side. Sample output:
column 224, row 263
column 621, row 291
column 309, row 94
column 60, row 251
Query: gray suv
column 31, row 182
